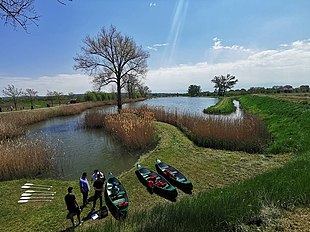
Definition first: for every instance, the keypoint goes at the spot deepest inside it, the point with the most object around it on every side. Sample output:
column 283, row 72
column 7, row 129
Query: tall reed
column 246, row 134
column 22, row 158
column 14, row 123
column 134, row 129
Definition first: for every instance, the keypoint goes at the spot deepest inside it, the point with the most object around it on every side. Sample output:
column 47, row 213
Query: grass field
column 224, row 106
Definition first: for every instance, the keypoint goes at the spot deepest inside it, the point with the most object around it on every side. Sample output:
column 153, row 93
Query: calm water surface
column 77, row 149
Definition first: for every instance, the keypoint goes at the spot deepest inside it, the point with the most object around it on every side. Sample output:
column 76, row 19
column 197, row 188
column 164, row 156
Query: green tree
column 110, row 58
column 223, row 83
column 194, row 90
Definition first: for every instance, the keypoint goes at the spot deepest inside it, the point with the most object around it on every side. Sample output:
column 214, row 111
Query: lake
column 78, row 150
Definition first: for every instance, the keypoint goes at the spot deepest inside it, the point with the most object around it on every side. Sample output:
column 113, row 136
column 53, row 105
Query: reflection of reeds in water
column 13, row 124
column 22, row 158
column 134, row 129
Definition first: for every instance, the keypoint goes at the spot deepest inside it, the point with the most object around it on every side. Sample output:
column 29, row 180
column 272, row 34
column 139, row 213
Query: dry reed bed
column 248, row 134
column 14, row 123
column 134, row 129
column 23, row 158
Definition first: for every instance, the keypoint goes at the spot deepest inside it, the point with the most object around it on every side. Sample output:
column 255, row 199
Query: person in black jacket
column 72, row 206
column 98, row 186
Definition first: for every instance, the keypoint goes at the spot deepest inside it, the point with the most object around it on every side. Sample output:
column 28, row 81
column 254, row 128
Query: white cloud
column 160, row 45
column 218, row 45
column 284, row 65
column 152, row 4
column 155, row 47
column 152, row 48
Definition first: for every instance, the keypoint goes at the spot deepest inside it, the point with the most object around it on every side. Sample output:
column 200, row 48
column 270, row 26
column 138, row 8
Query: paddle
column 29, row 198
column 35, row 191
column 30, row 187
column 38, row 200
column 39, row 185
column 37, row 194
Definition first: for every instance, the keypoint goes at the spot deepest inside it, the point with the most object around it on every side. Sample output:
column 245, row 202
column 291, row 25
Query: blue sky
column 262, row 43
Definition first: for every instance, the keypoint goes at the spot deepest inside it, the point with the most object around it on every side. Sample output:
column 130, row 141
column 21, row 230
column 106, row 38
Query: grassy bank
column 224, row 106
column 208, row 169
column 288, row 122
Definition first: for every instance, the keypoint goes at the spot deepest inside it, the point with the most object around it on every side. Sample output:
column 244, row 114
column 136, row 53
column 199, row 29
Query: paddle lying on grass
column 37, row 198
column 37, row 191
column 39, row 185
column 33, row 200
column 37, row 194
column 33, row 187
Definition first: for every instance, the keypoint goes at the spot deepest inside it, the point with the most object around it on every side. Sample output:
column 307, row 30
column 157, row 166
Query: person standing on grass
column 95, row 174
column 98, row 186
column 84, row 187
column 72, row 206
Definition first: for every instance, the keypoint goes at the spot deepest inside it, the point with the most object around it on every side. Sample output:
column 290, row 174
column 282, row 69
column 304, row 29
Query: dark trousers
column 85, row 197
column 96, row 196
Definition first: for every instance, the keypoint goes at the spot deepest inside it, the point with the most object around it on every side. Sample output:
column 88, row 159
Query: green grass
column 224, row 106
column 36, row 216
column 288, row 122
column 208, row 169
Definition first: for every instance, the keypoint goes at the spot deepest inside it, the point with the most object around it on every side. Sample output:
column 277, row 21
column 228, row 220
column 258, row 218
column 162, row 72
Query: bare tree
column 31, row 94
column 18, row 12
column 223, row 83
column 50, row 95
column 110, row 58
column 12, row 92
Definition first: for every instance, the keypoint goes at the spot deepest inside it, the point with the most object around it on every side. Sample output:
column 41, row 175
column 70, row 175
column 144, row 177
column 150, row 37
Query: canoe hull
column 167, row 191
column 114, row 201
column 185, row 186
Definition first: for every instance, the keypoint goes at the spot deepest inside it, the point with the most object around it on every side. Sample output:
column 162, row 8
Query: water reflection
column 78, row 149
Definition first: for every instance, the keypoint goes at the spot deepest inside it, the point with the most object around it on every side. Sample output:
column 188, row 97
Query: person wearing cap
column 72, row 206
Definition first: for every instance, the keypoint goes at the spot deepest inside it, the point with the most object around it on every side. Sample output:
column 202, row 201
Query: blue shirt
column 84, row 184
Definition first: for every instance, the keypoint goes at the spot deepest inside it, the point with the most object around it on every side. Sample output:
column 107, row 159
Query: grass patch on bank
column 288, row 122
column 224, row 106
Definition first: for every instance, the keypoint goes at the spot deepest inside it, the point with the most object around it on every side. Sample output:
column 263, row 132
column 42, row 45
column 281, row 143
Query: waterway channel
column 77, row 149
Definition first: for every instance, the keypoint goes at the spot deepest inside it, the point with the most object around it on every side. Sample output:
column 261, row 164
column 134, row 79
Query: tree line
column 223, row 87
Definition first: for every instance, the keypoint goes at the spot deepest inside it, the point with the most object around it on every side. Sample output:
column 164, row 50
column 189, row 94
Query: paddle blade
column 37, row 198
column 25, row 201
column 39, row 185
column 32, row 187
column 37, row 194
column 37, row 191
